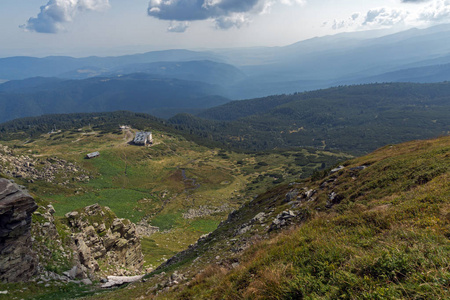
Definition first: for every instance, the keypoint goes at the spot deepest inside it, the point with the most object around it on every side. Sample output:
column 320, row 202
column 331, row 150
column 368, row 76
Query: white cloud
column 436, row 12
column 235, row 20
column 178, row 26
column 384, row 17
column 225, row 13
column 55, row 13
column 423, row 12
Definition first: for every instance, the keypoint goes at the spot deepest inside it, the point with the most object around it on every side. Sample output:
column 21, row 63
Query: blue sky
column 111, row 27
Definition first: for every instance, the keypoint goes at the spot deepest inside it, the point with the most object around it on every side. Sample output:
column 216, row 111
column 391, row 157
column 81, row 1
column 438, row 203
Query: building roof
column 93, row 154
column 141, row 136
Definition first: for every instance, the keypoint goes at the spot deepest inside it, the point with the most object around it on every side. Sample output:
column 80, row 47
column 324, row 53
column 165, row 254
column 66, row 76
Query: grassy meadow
column 159, row 184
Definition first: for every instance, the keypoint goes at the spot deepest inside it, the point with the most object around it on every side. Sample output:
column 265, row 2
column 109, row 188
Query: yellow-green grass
column 387, row 242
column 391, row 242
column 137, row 182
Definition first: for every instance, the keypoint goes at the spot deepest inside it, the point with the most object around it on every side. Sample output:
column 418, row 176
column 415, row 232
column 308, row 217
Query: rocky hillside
column 88, row 243
column 375, row 227
column 32, row 168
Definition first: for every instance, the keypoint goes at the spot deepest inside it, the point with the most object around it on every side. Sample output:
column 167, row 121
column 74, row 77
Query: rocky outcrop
column 36, row 168
column 105, row 244
column 17, row 261
column 54, row 249
column 143, row 228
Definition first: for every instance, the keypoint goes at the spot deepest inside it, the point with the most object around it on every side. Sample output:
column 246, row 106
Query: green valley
column 377, row 228
column 178, row 186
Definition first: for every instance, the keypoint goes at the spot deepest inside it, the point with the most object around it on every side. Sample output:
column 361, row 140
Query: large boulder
column 17, row 261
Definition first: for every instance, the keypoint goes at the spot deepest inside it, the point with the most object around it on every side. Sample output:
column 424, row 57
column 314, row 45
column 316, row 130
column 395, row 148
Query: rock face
column 17, row 261
column 105, row 244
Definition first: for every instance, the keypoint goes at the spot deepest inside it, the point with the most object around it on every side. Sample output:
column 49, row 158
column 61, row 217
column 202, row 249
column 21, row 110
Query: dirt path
column 129, row 136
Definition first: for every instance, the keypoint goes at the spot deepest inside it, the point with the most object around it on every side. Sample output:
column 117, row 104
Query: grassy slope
column 388, row 238
column 140, row 182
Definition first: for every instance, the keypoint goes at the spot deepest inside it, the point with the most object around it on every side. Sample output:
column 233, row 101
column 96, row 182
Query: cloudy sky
column 110, row 27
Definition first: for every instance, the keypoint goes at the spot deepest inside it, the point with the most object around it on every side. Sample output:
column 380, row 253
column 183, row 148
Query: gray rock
column 337, row 169
column 72, row 214
column 86, row 281
column 17, row 261
column 283, row 219
column 333, row 198
column 259, row 217
column 120, row 280
column 292, row 195
column 310, row 193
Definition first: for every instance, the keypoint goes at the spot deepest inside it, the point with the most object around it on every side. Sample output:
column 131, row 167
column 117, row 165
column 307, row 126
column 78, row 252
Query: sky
column 115, row 27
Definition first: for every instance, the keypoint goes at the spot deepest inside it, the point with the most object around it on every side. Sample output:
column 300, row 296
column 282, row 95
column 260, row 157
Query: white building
column 143, row 138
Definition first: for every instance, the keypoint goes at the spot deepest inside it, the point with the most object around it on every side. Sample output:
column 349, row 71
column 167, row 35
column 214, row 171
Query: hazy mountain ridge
column 306, row 65
column 200, row 70
column 23, row 67
column 137, row 92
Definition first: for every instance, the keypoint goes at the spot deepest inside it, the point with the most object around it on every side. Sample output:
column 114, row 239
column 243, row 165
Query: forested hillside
column 356, row 119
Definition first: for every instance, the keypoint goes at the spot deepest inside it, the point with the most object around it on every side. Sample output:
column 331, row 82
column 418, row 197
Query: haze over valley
column 221, row 149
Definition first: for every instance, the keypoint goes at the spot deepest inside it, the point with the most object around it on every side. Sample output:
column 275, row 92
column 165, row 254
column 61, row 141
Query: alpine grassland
column 386, row 238
column 182, row 188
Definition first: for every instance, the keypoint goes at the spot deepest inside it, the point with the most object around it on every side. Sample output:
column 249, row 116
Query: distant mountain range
column 136, row 92
column 21, row 67
column 198, row 70
column 176, row 81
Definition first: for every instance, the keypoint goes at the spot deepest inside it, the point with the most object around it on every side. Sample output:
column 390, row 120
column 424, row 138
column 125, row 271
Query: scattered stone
column 86, row 281
column 72, row 214
column 337, row 169
column 243, row 229
column 282, row 219
column 259, row 218
column 24, row 166
column 292, row 195
column 333, row 199
column 176, row 278
column 204, row 211
column 359, row 168
column 120, row 280
column 143, row 228
column 310, row 193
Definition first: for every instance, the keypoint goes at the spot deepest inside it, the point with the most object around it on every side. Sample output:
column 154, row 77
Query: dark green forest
column 353, row 119
column 356, row 119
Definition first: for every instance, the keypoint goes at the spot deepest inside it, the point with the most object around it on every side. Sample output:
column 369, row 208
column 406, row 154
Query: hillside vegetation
column 376, row 228
column 178, row 186
column 353, row 119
